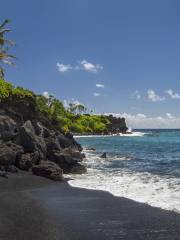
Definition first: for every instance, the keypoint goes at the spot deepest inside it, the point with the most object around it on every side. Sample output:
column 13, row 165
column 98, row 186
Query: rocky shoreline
column 30, row 146
column 31, row 141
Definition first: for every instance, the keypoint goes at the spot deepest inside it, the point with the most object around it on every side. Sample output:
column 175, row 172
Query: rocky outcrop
column 104, row 155
column 29, row 145
column 117, row 125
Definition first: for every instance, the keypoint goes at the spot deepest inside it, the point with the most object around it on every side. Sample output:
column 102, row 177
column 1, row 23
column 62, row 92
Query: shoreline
column 37, row 208
column 132, row 134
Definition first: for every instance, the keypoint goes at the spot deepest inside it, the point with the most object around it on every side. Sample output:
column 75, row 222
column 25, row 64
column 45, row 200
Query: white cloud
column 173, row 95
column 152, row 96
column 141, row 115
column 64, row 67
column 98, row 85
column 143, row 121
column 91, row 67
column 96, row 94
column 82, row 65
column 169, row 115
column 46, row 94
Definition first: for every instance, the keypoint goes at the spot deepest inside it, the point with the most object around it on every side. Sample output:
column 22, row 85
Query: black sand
column 33, row 208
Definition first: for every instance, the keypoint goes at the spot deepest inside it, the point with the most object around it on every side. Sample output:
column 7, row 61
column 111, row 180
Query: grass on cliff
column 49, row 110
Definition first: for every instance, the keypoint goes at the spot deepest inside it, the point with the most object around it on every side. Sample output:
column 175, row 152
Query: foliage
column 52, row 109
column 22, row 93
column 5, row 89
column 5, row 44
column 77, row 108
column 90, row 124
column 71, row 119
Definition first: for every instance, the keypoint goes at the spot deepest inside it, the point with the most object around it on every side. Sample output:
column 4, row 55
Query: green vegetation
column 71, row 119
column 5, row 44
column 52, row 110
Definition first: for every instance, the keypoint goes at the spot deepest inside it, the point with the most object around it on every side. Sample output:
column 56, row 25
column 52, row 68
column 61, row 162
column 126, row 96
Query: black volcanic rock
column 117, row 125
column 7, row 128
column 68, row 140
column 27, row 144
column 78, row 169
column 30, row 141
column 8, row 153
column 3, row 174
column 27, row 160
column 49, row 170
column 104, row 155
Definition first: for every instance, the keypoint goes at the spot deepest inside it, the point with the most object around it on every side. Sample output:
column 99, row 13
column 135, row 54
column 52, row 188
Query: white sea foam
column 90, row 136
column 133, row 134
column 147, row 188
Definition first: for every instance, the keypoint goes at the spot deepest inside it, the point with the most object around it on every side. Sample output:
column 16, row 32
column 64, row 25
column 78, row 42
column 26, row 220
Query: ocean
column 144, row 166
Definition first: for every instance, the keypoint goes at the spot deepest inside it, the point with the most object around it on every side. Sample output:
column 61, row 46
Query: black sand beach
column 36, row 208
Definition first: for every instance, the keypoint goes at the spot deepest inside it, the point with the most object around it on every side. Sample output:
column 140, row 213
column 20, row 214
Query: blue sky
column 114, row 56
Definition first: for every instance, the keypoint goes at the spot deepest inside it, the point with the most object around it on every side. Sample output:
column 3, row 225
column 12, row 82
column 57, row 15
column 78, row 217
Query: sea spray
column 144, row 169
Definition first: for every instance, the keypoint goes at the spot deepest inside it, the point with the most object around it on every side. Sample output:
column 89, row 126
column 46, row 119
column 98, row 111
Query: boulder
column 16, row 148
column 27, row 137
column 26, row 161
column 67, row 162
column 76, row 155
column 12, row 169
column 3, row 174
column 41, row 130
column 30, row 141
column 8, row 128
column 67, row 141
column 104, row 155
column 8, row 153
column 57, row 157
column 63, row 141
column 62, row 158
column 78, row 169
column 83, row 155
column 49, row 170
column 52, row 144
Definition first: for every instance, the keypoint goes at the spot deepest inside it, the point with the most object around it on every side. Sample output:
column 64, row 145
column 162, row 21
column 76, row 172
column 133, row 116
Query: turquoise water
column 144, row 166
column 157, row 151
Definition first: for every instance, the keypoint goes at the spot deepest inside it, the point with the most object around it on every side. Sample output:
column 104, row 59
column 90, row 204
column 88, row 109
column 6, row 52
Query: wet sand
column 35, row 208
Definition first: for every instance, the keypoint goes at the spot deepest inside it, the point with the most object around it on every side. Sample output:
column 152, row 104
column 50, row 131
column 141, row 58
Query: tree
column 77, row 108
column 5, row 44
column 81, row 108
column 72, row 108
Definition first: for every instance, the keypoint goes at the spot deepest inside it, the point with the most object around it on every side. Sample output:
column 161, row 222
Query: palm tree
column 81, row 108
column 72, row 107
column 5, row 44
